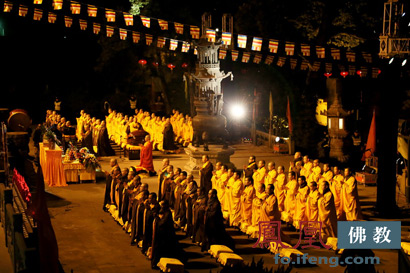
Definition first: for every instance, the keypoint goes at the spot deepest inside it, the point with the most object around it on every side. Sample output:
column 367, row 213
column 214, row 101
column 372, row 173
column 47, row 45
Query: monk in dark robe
column 150, row 212
column 164, row 242
column 215, row 233
column 146, row 161
column 136, row 135
column 103, row 143
column 88, row 139
column 165, row 184
column 161, row 176
column 138, row 218
column 180, row 186
column 109, row 177
column 169, row 137
column 251, row 168
column 190, row 196
column 198, row 220
column 124, row 195
column 206, row 174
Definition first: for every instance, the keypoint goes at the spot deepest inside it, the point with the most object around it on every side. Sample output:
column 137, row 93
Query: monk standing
column 350, row 198
column 327, row 211
column 300, row 209
column 258, row 176
column 247, row 198
column 235, row 202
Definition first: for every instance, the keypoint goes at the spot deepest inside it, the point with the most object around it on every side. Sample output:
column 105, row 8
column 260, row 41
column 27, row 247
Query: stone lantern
column 336, row 122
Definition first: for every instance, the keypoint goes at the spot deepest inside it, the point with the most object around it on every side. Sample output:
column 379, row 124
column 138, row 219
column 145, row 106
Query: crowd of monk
column 228, row 197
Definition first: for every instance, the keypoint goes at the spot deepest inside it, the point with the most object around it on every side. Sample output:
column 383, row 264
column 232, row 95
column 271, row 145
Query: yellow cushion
column 171, row 265
column 332, row 241
column 406, row 247
column 230, row 259
column 215, row 250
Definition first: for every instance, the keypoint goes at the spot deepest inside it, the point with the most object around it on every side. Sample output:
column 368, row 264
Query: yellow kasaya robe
column 236, row 206
column 259, row 177
column 180, row 132
column 140, row 116
column 228, row 190
column 312, row 212
column 247, row 198
column 306, row 170
column 300, row 209
column 221, row 187
column 188, row 132
column 328, row 176
column 214, row 179
column 290, row 201
column 144, row 123
column 336, row 188
column 280, row 190
column 315, row 174
column 270, row 177
column 256, row 207
column 327, row 215
column 350, row 200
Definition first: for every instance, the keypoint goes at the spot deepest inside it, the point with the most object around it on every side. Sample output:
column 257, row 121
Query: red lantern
column 142, row 62
column 155, row 64
column 184, row 65
column 327, row 74
column 171, row 66
column 359, row 72
column 344, row 74
column 379, row 71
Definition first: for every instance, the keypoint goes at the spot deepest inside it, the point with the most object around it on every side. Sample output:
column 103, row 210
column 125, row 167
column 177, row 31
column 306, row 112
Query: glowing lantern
column 359, row 72
column 184, row 65
column 327, row 74
column 156, row 64
column 344, row 74
column 142, row 62
column 171, row 66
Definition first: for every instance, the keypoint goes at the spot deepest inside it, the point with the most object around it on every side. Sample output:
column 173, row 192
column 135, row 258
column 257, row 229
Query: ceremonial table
column 52, row 166
column 74, row 169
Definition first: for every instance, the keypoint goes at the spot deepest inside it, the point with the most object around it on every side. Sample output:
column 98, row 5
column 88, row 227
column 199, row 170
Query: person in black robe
column 179, row 190
column 125, row 196
column 137, row 136
column 215, row 233
column 206, row 174
column 251, row 168
column 165, row 242
column 199, row 207
column 88, row 139
column 150, row 212
column 162, row 180
column 137, row 218
column 108, row 181
column 103, row 144
column 168, row 143
column 187, row 200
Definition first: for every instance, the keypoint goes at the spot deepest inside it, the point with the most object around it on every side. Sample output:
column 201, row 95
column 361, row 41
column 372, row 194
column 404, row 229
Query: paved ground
column 91, row 241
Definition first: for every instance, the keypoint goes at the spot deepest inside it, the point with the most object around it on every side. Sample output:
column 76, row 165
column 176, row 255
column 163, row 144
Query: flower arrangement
column 50, row 135
column 89, row 160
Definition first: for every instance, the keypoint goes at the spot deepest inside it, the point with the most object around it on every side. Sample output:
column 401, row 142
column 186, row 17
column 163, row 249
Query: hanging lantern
column 142, row 62
column 379, row 71
column 344, row 74
column 171, row 66
column 327, row 74
column 184, row 65
column 156, row 64
column 359, row 72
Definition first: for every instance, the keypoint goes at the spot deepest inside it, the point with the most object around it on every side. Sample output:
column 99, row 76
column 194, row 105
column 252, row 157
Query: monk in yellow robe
column 216, row 174
column 228, row 188
column 300, row 209
column 260, row 196
column 350, row 198
column 327, row 173
column 259, row 175
column 307, row 167
column 280, row 188
column 336, row 188
column 270, row 210
column 235, row 216
column 221, row 185
column 315, row 173
column 270, row 177
column 290, row 201
column 327, row 211
column 247, row 199
column 312, row 212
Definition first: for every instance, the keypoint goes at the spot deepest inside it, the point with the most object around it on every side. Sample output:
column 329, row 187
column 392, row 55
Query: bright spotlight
column 404, row 62
column 391, row 60
column 277, row 139
column 238, row 111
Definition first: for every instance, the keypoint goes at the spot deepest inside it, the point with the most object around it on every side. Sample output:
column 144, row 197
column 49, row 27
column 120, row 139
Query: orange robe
column 221, row 189
column 312, row 212
column 215, row 178
column 259, row 177
column 306, row 170
column 328, row 176
column 327, row 215
column 300, row 208
column 247, row 199
column 314, row 174
column 228, row 198
column 336, row 188
column 270, row 177
column 350, row 200
column 280, row 190
column 290, row 200
column 236, row 206
column 256, row 207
